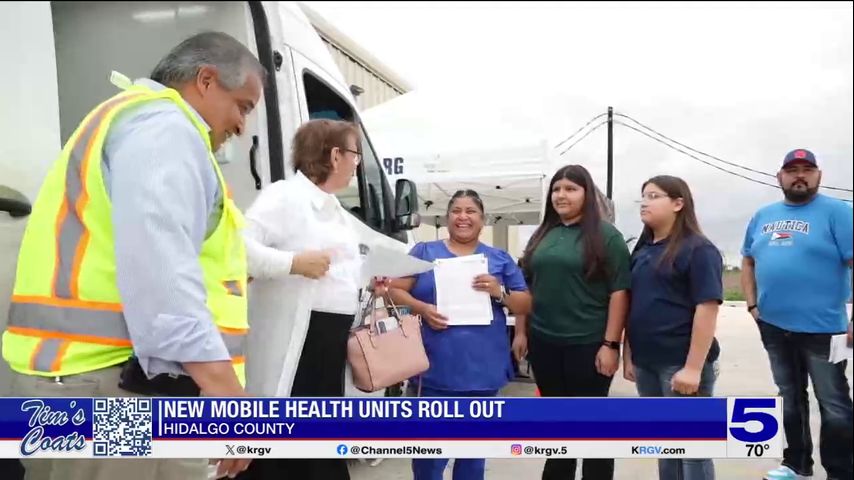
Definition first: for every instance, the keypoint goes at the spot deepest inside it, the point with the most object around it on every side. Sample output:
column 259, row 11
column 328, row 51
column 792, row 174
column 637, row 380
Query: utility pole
column 610, row 187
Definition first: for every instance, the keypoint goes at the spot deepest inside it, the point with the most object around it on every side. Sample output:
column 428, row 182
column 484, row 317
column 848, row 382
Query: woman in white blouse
column 303, row 255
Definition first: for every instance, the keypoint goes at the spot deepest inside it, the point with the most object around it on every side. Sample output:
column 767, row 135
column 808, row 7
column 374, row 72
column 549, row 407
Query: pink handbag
column 380, row 360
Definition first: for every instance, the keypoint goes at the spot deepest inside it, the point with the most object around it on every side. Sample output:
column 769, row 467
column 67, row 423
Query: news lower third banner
column 391, row 427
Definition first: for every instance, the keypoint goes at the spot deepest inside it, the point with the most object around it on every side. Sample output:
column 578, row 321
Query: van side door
column 368, row 196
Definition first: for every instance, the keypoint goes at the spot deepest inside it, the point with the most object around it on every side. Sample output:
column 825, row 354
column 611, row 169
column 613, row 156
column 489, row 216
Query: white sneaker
column 784, row 473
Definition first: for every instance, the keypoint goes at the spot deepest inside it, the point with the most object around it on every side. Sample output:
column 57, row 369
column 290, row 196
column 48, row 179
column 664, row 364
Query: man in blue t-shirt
column 796, row 278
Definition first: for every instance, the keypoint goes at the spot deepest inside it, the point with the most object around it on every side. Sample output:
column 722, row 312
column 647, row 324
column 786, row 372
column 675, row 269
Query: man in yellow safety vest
column 131, row 277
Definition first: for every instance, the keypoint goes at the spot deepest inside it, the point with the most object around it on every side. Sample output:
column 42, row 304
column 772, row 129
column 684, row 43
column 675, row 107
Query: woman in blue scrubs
column 465, row 360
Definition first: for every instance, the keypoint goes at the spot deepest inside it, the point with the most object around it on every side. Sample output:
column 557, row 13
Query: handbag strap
column 371, row 309
column 397, row 315
column 368, row 309
column 394, row 307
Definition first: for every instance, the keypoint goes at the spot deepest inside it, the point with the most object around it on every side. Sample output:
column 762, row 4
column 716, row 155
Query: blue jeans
column 433, row 468
column 796, row 358
column 655, row 382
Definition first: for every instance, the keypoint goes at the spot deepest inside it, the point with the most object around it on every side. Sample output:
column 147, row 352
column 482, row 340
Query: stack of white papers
column 456, row 298
column 382, row 261
column 839, row 349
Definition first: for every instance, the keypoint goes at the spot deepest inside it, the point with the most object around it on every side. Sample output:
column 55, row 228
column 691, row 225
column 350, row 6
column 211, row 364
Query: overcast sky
column 746, row 82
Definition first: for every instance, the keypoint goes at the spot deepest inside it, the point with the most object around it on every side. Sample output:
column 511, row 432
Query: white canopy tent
column 444, row 151
column 510, row 180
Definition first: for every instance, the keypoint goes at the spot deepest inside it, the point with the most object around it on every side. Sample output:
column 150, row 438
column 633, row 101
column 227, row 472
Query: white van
column 57, row 58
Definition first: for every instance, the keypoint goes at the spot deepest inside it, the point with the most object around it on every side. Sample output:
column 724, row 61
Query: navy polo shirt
column 664, row 299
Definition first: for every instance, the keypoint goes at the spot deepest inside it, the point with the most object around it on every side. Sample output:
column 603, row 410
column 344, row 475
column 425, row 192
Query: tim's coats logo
column 44, row 420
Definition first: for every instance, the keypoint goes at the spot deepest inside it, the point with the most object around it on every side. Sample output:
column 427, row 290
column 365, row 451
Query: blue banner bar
column 380, row 418
column 449, row 418
column 109, row 427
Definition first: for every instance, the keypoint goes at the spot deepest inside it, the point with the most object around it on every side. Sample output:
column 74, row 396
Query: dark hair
column 465, row 194
column 686, row 223
column 313, row 143
column 595, row 265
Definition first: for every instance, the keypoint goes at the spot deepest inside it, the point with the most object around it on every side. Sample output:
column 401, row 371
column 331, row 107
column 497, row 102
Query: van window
column 367, row 203
column 375, row 182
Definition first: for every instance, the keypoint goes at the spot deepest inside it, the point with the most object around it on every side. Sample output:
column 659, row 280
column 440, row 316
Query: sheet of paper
column 382, row 261
column 839, row 349
column 455, row 297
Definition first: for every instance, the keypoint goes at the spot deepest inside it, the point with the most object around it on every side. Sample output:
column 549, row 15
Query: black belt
column 133, row 379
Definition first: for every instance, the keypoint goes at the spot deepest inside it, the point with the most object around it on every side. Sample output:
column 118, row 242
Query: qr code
column 122, row 427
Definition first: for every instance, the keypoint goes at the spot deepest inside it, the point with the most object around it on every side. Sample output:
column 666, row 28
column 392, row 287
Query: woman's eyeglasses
column 356, row 152
column 650, row 196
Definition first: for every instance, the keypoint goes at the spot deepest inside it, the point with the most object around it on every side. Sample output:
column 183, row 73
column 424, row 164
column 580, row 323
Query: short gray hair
column 231, row 58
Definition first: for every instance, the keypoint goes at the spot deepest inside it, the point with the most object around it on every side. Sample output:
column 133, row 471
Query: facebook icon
column 342, row 449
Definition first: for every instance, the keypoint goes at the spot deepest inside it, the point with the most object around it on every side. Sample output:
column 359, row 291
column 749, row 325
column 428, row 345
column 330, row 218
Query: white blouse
column 295, row 215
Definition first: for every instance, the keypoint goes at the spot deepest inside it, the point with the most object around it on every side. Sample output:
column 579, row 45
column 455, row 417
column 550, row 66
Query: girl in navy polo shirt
column 676, row 291
column 465, row 360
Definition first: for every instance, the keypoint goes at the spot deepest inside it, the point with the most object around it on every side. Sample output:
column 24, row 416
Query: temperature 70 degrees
column 757, row 449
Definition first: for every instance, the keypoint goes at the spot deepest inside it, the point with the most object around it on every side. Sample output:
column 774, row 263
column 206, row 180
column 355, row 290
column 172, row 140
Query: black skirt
column 320, row 373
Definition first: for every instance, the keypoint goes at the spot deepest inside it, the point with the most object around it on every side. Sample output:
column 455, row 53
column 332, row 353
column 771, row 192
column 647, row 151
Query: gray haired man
column 146, row 293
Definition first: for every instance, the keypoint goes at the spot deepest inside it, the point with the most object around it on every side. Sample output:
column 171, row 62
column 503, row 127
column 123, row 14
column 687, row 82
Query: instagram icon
column 516, row 449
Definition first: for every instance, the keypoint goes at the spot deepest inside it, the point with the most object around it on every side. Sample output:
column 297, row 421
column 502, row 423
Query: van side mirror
column 406, row 215
column 14, row 202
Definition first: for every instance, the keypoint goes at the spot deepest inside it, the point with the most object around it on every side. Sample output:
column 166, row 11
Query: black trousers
column 569, row 371
column 320, row 373
column 12, row 468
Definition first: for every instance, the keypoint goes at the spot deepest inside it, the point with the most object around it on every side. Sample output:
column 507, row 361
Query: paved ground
column 744, row 371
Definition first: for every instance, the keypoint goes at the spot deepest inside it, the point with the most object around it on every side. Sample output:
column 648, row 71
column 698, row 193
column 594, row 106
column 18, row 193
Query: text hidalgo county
column 333, row 409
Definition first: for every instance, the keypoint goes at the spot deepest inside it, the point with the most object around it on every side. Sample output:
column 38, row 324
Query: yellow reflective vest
column 66, row 315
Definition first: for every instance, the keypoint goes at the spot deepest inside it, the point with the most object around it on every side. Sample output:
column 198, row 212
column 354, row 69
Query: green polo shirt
column 568, row 308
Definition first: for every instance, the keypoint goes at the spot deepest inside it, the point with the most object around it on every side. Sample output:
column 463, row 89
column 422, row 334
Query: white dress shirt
column 295, row 215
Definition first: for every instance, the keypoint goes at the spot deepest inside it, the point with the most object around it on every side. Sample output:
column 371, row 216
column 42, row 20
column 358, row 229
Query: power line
column 580, row 129
column 839, row 189
column 708, row 163
column 599, row 125
column 694, row 149
column 696, row 158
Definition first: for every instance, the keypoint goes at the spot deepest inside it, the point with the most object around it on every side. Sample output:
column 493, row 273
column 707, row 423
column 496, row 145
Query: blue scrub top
column 467, row 358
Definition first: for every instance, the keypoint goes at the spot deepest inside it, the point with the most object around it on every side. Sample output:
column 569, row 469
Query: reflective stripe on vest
column 78, row 325
column 233, row 287
column 72, row 235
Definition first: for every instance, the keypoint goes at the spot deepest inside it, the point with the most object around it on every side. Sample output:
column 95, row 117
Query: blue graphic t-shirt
column 801, row 254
